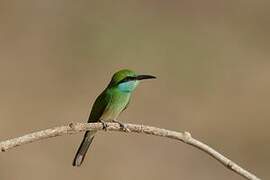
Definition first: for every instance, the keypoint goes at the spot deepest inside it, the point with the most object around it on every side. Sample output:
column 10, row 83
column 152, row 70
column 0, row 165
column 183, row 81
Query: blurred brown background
column 212, row 63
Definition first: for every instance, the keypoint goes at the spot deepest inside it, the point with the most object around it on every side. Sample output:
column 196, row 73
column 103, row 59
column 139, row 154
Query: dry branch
column 73, row 128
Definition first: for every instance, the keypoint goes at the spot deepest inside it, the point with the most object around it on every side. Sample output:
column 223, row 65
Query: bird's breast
column 117, row 104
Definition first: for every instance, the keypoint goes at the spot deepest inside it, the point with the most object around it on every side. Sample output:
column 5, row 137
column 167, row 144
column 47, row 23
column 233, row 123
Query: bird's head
column 127, row 80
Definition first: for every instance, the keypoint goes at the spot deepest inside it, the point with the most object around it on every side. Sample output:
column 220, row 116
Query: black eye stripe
column 126, row 79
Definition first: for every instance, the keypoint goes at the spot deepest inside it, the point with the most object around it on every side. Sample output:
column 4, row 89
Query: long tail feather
column 85, row 144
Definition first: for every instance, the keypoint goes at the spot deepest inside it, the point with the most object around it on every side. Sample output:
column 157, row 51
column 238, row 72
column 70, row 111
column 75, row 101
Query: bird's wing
column 100, row 106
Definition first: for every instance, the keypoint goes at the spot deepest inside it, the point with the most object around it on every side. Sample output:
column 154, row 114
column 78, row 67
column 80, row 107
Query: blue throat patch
column 128, row 86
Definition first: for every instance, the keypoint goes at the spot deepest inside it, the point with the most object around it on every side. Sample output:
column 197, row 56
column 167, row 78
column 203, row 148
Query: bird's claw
column 122, row 126
column 104, row 124
column 125, row 128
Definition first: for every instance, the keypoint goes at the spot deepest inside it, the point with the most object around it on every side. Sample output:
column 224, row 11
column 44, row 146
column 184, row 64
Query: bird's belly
column 110, row 114
column 116, row 106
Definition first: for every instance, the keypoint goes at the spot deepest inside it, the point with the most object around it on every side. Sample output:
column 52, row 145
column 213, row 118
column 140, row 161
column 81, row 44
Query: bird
column 109, row 104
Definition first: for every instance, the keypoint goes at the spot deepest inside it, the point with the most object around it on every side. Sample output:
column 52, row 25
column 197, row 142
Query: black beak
column 141, row 77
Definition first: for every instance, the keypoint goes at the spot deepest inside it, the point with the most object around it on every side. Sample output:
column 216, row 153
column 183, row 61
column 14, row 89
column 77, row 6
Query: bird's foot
column 123, row 126
column 104, row 124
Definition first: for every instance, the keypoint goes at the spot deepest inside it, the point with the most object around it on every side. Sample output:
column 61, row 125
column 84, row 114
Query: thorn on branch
column 229, row 165
column 187, row 136
column 71, row 125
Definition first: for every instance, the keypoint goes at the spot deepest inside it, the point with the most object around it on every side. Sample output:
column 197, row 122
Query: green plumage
column 109, row 104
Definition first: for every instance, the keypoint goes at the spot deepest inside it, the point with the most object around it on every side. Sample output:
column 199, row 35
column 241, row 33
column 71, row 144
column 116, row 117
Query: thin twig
column 74, row 128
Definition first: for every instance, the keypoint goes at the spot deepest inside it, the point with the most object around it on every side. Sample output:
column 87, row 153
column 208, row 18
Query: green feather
column 109, row 104
column 101, row 104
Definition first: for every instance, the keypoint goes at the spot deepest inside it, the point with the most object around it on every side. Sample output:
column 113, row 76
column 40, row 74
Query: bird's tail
column 81, row 152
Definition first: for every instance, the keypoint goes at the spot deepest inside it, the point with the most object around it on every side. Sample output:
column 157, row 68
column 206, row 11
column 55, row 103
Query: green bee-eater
column 109, row 104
